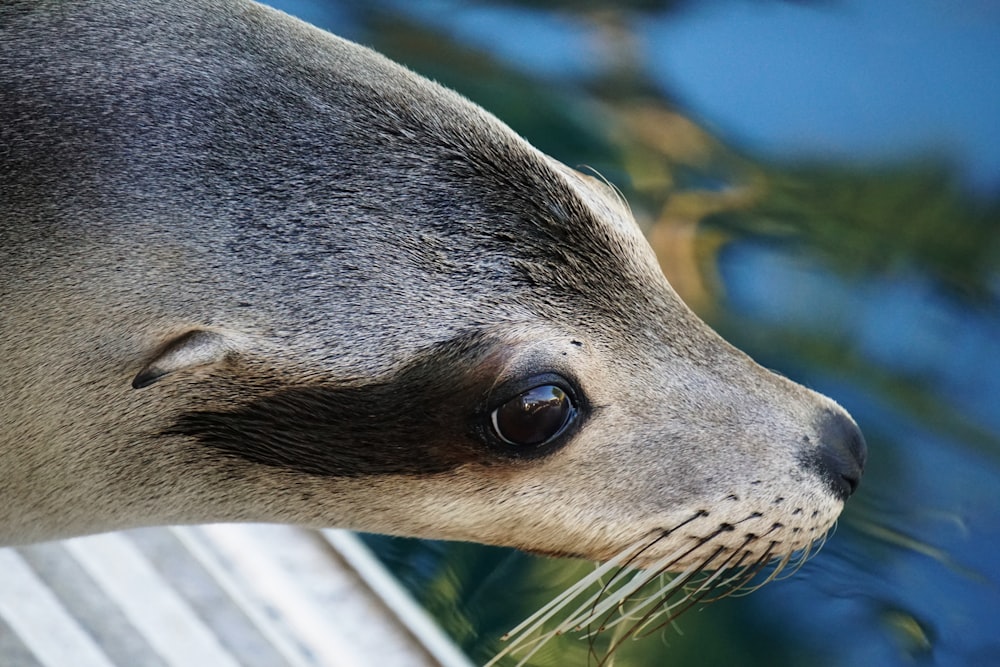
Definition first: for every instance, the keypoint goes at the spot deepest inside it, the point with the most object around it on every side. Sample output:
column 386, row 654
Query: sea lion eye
column 535, row 416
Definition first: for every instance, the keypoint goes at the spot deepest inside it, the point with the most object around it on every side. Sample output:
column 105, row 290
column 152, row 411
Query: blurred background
column 821, row 182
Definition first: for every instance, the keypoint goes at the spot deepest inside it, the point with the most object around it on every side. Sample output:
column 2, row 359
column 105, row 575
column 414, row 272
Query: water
column 822, row 181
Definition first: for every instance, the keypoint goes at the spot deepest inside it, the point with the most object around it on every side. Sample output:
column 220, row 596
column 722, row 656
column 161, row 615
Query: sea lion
column 254, row 272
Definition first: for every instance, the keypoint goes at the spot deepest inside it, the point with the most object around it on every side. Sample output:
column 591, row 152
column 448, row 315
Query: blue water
column 845, row 80
column 894, row 106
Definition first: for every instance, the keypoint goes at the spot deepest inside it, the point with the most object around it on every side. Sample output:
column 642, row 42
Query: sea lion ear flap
column 189, row 350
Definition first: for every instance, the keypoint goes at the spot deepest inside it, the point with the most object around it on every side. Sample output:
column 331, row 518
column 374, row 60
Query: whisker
column 665, row 565
column 559, row 601
column 640, row 578
column 697, row 594
column 539, row 618
column 635, row 602
column 745, row 589
column 740, row 577
column 619, row 195
column 659, row 597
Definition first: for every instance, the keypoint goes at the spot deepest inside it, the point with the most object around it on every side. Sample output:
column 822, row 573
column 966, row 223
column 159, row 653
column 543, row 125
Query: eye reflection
column 534, row 417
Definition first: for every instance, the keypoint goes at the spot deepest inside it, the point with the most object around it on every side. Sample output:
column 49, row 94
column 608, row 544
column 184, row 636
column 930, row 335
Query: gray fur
column 223, row 231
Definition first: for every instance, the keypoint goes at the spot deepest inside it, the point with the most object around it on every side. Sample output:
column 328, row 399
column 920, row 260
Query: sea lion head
column 261, row 273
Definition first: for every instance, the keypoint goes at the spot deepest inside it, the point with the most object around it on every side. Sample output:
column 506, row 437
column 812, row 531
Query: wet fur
column 253, row 272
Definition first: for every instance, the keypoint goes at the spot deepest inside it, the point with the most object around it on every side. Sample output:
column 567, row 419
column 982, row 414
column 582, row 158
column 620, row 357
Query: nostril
column 840, row 458
column 852, row 481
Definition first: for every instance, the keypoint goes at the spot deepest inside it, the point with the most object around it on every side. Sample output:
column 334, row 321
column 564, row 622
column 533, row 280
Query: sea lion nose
column 842, row 453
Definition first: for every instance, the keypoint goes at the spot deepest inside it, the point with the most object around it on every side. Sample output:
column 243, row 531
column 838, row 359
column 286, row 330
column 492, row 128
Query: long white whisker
column 560, row 600
column 631, row 602
column 658, row 597
column 640, row 579
column 523, row 630
column 689, row 597
column 663, row 594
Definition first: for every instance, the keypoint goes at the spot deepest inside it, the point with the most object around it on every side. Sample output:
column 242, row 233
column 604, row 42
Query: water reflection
column 836, row 252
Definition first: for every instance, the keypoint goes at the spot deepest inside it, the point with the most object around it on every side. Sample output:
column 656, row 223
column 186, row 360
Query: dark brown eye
column 535, row 416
